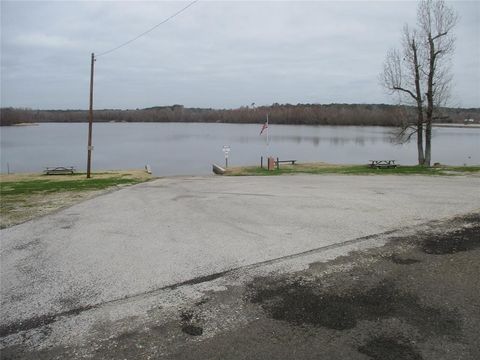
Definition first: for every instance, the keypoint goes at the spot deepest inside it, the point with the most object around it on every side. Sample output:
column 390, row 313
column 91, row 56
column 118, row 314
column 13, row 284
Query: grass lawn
column 323, row 168
column 25, row 196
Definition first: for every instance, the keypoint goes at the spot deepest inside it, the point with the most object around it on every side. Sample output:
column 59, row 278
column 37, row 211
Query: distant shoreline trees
column 300, row 114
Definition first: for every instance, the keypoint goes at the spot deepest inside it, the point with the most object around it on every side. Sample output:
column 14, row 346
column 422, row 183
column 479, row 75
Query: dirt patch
column 384, row 348
column 465, row 239
column 15, row 209
column 18, row 208
column 301, row 302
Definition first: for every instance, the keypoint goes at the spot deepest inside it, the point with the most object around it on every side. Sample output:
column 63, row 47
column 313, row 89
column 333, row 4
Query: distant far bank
column 476, row 126
column 452, row 125
column 287, row 114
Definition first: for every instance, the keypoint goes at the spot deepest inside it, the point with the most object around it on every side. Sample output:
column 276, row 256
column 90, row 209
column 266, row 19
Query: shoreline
column 346, row 169
column 463, row 126
column 438, row 125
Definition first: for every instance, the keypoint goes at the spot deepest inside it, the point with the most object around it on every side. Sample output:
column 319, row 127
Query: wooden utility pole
column 90, row 120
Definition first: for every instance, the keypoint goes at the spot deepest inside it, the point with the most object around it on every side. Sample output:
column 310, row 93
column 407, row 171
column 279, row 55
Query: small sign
column 226, row 150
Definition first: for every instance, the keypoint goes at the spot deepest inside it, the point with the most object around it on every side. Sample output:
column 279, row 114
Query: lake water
column 190, row 149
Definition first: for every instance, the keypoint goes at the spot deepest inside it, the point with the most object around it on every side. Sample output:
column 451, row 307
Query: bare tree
column 420, row 73
column 436, row 21
column 402, row 75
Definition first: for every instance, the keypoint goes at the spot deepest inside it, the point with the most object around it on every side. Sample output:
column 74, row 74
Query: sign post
column 226, row 151
column 90, row 120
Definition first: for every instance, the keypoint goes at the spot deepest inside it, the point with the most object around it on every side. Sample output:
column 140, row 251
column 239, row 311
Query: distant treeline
column 306, row 114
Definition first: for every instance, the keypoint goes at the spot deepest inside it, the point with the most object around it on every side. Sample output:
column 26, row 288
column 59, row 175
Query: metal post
column 278, row 164
column 226, row 162
column 90, row 120
column 261, row 162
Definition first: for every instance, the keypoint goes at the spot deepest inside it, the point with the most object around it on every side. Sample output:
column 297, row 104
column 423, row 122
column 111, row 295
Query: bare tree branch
column 421, row 70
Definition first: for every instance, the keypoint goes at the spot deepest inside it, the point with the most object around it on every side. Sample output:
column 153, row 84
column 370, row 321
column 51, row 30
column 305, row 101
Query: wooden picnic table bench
column 59, row 170
column 285, row 161
column 382, row 164
column 277, row 162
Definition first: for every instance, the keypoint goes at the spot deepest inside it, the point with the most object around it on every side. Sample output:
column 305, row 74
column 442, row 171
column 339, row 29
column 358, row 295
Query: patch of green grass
column 464, row 168
column 27, row 187
column 352, row 170
column 26, row 196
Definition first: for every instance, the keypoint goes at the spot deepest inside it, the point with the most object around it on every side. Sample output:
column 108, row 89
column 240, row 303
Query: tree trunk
column 428, row 144
column 430, row 105
column 419, row 99
column 421, row 156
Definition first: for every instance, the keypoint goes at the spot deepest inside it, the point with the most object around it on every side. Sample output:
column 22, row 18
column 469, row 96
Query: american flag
column 265, row 126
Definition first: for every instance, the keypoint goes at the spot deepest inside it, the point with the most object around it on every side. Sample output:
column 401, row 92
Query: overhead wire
column 148, row 31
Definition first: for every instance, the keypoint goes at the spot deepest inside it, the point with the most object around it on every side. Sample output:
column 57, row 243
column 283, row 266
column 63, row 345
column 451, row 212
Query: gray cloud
column 218, row 54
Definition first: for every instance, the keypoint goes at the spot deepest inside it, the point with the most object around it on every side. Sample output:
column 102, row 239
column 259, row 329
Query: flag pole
column 268, row 139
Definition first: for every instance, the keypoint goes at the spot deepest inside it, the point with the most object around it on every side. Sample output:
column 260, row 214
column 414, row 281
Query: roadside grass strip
column 351, row 170
column 26, row 196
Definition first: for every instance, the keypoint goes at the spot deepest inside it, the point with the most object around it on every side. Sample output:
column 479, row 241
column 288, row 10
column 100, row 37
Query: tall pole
column 90, row 120
column 268, row 138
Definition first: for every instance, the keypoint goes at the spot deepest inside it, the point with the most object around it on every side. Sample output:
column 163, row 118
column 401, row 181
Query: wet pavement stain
column 188, row 323
column 186, row 315
column 403, row 261
column 27, row 324
column 202, row 301
column 465, row 239
column 193, row 330
column 27, row 245
column 39, row 321
column 127, row 335
column 302, row 303
column 384, row 348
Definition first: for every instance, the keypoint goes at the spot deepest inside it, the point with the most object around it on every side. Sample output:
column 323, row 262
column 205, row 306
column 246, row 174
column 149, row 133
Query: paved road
column 171, row 230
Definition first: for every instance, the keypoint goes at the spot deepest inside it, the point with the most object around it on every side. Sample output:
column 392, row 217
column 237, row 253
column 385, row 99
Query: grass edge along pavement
column 26, row 196
column 324, row 168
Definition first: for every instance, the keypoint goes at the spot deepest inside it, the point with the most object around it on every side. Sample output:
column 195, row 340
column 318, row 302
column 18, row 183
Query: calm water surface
column 190, row 149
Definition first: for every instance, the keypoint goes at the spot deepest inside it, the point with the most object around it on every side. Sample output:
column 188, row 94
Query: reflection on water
column 297, row 139
column 334, row 140
column 175, row 148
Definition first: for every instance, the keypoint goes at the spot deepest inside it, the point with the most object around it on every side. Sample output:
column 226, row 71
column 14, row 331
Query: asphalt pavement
column 157, row 235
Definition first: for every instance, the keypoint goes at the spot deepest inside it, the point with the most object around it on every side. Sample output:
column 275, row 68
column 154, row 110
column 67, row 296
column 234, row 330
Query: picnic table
column 277, row 162
column 382, row 164
column 285, row 161
column 59, row 170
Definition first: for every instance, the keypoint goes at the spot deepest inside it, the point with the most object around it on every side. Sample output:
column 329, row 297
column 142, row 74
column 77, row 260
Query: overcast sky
column 215, row 54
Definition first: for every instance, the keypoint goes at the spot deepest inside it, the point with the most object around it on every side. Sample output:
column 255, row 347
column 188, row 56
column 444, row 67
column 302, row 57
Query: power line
column 148, row 31
column 90, row 112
